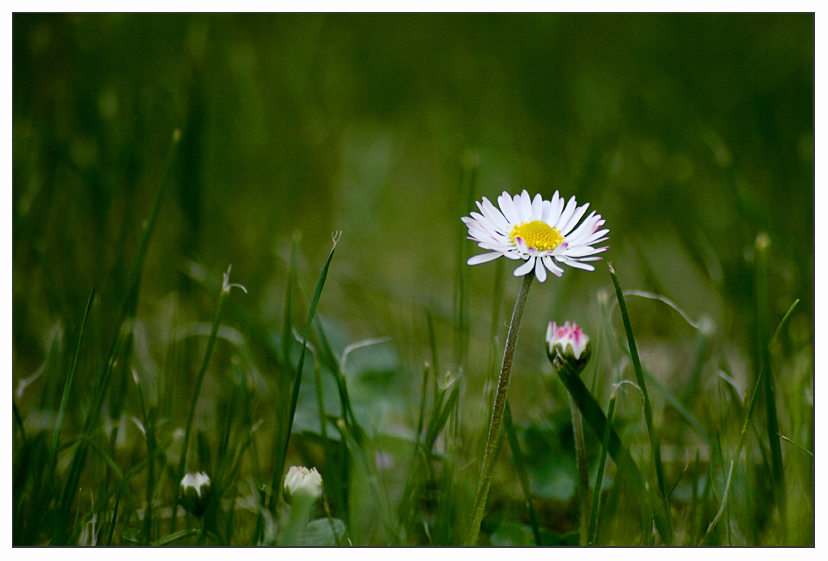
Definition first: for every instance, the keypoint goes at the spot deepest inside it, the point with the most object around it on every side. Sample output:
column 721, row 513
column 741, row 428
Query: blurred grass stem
column 583, row 469
column 493, row 439
column 769, row 387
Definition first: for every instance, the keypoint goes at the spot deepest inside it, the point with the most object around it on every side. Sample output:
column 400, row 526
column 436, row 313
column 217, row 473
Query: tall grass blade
column 280, row 462
column 648, row 408
column 128, row 311
column 64, row 400
column 627, row 467
column 182, row 462
column 592, row 532
column 763, row 321
column 782, row 323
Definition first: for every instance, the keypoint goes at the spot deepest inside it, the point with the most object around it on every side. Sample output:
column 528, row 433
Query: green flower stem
column 497, row 414
column 297, row 524
column 583, row 469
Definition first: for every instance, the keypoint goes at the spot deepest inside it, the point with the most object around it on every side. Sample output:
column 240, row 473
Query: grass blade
column 182, row 462
column 64, row 400
column 599, row 477
column 648, row 409
column 763, row 325
column 280, row 463
column 627, row 467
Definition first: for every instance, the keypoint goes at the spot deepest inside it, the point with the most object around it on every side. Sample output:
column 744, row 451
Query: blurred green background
column 689, row 133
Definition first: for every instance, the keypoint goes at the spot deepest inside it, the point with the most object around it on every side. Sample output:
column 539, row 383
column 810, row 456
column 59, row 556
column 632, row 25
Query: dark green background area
column 689, row 133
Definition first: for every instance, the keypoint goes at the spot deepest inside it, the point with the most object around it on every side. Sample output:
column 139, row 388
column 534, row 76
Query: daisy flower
column 541, row 233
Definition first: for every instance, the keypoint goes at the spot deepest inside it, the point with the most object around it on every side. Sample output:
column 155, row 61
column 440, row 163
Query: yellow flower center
column 537, row 235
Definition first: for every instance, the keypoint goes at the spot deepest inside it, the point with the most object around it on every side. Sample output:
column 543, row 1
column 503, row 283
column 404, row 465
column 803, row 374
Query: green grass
column 133, row 362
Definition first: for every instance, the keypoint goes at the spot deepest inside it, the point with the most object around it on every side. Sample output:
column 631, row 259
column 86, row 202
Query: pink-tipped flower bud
column 567, row 345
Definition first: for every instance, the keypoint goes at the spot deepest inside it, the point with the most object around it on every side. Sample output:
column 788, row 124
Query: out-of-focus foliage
column 689, row 133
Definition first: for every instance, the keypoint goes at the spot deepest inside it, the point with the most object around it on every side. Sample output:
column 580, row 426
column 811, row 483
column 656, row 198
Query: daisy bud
column 303, row 482
column 567, row 345
column 195, row 493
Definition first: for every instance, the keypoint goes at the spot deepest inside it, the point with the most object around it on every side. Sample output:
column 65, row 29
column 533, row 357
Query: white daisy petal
column 555, row 211
column 553, row 268
column 581, row 251
column 507, row 205
column 518, row 208
column 566, row 214
column 525, row 268
column 482, row 258
column 540, row 270
column 537, row 206
column 494, row 215
column 578, row 265
column 546, row 206
column 587, row 226
column 526, row 206
column 579, row 212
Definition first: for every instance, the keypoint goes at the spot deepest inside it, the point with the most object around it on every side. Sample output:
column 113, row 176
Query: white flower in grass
column 542, row 233
column 304, row 482
column 195, row 492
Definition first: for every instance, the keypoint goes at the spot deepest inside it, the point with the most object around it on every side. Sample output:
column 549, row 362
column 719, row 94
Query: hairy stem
column 493, row 440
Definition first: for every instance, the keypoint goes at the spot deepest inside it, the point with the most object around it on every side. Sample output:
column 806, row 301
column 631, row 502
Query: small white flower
column 542, row 233
column 301, row 481
column 567, row 344
column 195, row 492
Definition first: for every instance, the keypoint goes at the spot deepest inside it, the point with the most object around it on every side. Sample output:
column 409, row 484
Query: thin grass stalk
column 128, row 311
column 523, row 476
column 493, row 439
column 419, row 460
column 592, row 532
column 648, row 408
column 149, row 437
column 421, row 415
column 627, row 468
column 432, row 343
column 763, row 320
column 745, row 428
column 725, row 496
column 114, row 518
column 64, row 400
column 18, row 418
column 583, row 471
column 280, row 463
column 182, row 462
